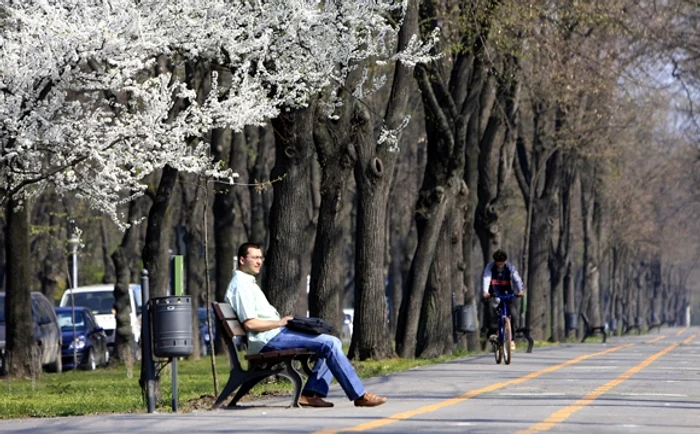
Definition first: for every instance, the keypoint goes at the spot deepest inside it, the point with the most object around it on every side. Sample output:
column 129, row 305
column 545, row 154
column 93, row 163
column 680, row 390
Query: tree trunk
column 257, row 149
column 435, row 332
column 560, row 258
column 125, row 259
column 429, row 222
column 539, row 284
column 194, row 193
column 494, row 140
column 22, row 354
column 373, row 172
column 336, row 157
column 155, row 251
column 402, row 234
column 442, row 182
column 497, row 141
column 590, row 213
column 291, row 225
column 538, row 178
column 110, row 273
column 224, row 214
column 470, row 289
column 48, row 248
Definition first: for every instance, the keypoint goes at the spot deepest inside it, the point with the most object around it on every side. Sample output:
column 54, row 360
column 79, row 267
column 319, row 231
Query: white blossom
column 65, row 64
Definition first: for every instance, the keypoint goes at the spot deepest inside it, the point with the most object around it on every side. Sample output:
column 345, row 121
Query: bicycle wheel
column 507, row 353
column 498, row 351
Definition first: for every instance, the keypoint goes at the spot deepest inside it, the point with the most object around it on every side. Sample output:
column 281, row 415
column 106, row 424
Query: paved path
column 644, row 384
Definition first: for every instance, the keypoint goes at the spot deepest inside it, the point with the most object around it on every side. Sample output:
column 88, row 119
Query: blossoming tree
column 84, row 108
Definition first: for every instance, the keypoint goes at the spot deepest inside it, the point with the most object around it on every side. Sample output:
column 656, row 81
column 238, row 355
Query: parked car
column 89, row 342
column 348, row 318
column 204, row 329
column 100, row 300
column 47, row 333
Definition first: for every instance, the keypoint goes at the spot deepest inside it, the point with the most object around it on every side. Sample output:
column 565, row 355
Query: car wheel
column 90, row 363
column 57, row 364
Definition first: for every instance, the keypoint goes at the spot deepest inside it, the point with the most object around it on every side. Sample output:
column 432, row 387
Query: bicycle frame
column 502, row 347
column 503, row 314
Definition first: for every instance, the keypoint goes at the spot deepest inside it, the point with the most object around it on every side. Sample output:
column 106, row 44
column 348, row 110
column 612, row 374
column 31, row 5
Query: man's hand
column 486, row 295
column 263, row 325
column 521, row 294
column 285, row 320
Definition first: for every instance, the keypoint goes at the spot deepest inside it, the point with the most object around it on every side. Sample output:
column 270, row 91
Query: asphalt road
column 646, row 384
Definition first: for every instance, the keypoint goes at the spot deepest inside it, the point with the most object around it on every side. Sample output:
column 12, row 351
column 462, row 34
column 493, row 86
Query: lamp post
column 73, row 242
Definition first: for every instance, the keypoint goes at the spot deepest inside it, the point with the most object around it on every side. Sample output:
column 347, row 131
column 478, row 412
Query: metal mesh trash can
column 173, row 333
column 466, row 319
column 570, row 321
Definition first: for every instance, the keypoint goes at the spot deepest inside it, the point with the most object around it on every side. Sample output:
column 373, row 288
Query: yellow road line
column 681, row 331
column 655, row 340
column 689, row 340
column 563, row 414
column 465, row 396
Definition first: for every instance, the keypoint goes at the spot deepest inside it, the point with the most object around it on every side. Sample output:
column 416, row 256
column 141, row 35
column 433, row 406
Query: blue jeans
column 332, row 362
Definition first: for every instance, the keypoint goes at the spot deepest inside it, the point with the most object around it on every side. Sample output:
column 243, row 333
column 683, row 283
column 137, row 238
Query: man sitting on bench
column 266, row 331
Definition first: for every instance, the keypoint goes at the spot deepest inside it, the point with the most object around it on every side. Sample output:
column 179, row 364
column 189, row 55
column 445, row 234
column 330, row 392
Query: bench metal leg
column 530, row 343
column 525, row 333
column 236, row 379
column 246, row 386
column 305, row 364
column 589, row 332
column 290, row 372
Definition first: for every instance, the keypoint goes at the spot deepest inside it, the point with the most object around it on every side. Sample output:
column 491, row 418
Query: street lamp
column 73, row 242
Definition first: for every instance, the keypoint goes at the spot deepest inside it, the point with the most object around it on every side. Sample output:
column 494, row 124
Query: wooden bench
column 524, row 332
column 655, row 322
column 590, row 330
column 627, row 327
column 260, row 366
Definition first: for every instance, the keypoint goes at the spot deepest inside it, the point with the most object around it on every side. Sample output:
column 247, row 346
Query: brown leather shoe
column 314, row 401
column 369, row 400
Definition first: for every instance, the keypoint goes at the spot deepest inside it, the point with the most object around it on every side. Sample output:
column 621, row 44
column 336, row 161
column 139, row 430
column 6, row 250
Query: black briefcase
column 312, row 326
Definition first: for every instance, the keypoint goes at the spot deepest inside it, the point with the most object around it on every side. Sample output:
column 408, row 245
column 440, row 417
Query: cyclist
column 501, row 277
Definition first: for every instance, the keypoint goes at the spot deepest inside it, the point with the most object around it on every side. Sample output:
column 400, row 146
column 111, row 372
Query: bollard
column 146, row 356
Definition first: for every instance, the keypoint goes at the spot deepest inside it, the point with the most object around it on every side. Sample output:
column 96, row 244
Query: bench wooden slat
column 276, row 354
column 229, row 320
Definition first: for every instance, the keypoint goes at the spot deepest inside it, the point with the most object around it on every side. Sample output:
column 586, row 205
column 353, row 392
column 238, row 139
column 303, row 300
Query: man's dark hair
column 243, row 249
column 500, row 256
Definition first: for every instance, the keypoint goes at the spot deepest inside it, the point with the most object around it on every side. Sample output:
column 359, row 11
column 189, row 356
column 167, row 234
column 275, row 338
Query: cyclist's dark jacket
column 505, row 281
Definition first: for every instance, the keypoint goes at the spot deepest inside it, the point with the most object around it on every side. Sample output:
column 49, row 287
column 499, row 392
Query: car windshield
column 98, row 302
column 65, row 320
column 2, row 309
column 136, row 291
column 202, row 316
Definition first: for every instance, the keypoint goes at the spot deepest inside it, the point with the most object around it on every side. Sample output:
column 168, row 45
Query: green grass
column 70, row 393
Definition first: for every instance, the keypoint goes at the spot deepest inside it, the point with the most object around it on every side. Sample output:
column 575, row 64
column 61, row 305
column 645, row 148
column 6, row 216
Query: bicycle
column 501, row 346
